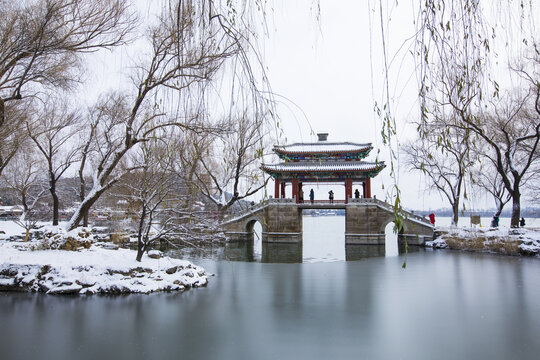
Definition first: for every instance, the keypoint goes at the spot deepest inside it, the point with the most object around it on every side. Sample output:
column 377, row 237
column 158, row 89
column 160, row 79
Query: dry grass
column 481, row 243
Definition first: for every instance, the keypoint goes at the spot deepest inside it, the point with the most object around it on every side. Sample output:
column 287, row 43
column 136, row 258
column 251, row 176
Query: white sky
column 331, row 74
column 328, row 74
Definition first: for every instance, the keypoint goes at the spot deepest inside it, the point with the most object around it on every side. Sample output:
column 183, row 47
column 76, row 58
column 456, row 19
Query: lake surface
column 444, row 305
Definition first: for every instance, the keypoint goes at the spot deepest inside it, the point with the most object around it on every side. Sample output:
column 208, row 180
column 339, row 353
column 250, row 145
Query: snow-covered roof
column 322, row 147
column 324, row 166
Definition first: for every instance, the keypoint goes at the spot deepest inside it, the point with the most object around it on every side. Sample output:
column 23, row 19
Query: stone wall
column 365, row 223
column 280, row 223
column 283, row 223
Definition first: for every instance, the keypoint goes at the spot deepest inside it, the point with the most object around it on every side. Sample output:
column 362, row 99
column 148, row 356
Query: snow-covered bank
column 92, row 269
column 502, row 240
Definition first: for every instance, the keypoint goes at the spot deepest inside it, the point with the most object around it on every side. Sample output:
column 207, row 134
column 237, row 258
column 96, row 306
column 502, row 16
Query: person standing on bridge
column 311, row 195
column 331, row 196
column 356, row 194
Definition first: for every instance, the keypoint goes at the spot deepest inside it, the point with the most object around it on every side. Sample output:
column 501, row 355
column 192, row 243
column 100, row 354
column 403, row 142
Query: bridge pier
column 365, row 222
column 283, row 224
column 362, row 224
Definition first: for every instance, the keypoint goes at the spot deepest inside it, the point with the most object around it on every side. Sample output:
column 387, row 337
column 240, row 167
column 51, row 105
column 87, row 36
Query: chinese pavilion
column 322, row 162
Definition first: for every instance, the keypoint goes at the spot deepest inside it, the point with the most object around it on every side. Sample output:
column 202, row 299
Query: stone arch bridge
column 365, row 222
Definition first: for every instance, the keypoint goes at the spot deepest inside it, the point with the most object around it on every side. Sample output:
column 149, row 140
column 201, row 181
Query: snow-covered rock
column 92, row 271
column 154, row 254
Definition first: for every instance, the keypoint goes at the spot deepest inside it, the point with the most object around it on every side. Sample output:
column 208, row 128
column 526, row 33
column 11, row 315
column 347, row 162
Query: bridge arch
column 250, row 222
column 390, row 219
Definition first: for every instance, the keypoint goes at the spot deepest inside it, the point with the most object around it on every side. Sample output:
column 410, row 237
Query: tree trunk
column 141, row 246
column 82, row 195
column 500, row 207
column 52, row 189
column 455, row 212
column 84, row 208
column 140, row 251
column 2, row 112
column 516, row 209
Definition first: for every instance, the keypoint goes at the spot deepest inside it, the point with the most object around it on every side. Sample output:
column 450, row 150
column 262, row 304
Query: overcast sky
column 327, row 75
column 330, row 73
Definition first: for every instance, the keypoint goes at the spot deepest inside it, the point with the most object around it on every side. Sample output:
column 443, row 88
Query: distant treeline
column 525, row 212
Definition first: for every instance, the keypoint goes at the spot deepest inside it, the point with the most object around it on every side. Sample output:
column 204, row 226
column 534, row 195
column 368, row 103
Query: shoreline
column 504, row 241
column 74, row 263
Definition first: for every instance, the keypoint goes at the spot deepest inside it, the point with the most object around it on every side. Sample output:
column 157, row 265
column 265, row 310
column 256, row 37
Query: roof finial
column 322, row 136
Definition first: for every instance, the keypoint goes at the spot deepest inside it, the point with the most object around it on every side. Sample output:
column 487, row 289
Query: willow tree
column 41, row 43
column 189, row 46
column 457, row 44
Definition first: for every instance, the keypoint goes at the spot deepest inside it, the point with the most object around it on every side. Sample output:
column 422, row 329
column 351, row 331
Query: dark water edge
column 445, row 305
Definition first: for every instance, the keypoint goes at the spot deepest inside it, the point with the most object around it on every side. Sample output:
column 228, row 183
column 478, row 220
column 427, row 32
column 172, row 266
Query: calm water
column 444, row 305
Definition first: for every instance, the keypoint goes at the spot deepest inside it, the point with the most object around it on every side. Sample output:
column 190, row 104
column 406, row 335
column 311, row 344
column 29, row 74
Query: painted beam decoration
column 323, row 161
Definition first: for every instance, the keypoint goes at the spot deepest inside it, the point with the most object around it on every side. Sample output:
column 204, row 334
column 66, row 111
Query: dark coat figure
column 331, row 196
column 522, row 222
column 432, row 218
column 311, row 195
column 357, row 194
column 495, row 221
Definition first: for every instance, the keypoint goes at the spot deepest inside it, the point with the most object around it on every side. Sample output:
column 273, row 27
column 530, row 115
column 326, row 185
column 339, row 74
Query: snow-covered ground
column 38, row 266
column 502, row 240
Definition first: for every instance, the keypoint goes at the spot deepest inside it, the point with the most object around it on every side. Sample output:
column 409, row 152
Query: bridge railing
column 255, row 207
column 389, row 207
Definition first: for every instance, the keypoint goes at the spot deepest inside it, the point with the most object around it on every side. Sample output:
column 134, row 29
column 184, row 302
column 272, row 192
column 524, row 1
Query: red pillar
column 295, row 189
column 276, row 188
column 367, row 188
column 283, row 190
column 348, row 190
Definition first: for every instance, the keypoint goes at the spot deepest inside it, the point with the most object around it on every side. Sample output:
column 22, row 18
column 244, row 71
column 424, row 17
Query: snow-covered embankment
column 502, row 240
column 89, row 268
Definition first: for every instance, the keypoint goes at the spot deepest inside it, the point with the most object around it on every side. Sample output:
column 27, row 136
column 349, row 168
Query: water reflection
column 445, row 305
column 323, row 241
column 323, row 238
column 391, row 240
column 279, row 253
column 359, row 252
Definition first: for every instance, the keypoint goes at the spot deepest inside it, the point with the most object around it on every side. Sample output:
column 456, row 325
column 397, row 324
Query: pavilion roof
column 322, row 147
column 324, row 167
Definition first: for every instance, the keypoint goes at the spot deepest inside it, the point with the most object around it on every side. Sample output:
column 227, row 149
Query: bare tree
column 230, row 163
column 512, row 133
column 487, row 178
column 87, row 136
column 444, row 154
column 12, row 133
column 40, row 41
column 24, row 176
column 53, row 134
column 150, row 195
column 190, row 43
column 40, row 44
